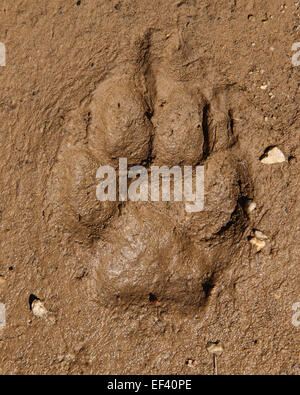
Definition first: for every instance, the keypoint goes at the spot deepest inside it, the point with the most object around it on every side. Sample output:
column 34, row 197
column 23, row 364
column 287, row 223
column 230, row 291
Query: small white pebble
column 250, row 206
column 260, row 236
column 274, row 155
column 264, row 87
column 38, row 308
column 258, row 244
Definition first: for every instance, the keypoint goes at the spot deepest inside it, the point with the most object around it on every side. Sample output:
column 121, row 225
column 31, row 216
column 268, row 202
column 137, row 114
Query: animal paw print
column 152, row 248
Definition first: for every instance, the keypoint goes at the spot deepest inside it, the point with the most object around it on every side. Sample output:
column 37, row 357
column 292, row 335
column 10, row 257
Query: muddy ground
column 95, row 287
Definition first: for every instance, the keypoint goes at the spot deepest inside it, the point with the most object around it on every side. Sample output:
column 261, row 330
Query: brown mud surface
column 94, row 287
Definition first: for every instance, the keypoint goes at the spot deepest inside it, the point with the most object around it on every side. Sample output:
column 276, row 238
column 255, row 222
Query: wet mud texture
column 145, row 287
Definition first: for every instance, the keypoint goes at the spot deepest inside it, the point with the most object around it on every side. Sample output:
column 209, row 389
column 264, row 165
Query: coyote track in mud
column 153, row 248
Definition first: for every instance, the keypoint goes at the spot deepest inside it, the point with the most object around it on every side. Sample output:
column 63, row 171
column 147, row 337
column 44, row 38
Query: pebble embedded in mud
column 258, row 244
column 191, row 363
column 38, row 308
column 258, row 241
column 250, row 206
column 260, row 235
column 264, row 87
column 273, row 155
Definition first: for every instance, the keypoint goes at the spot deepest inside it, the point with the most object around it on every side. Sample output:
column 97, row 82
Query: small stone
column 38, row 308
column 264, row 87
column 2, row 280
column 260, row 236
column 250, row 206
column 258, row 244
column 273, row 155
column 191, row 363
column 215, row 349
